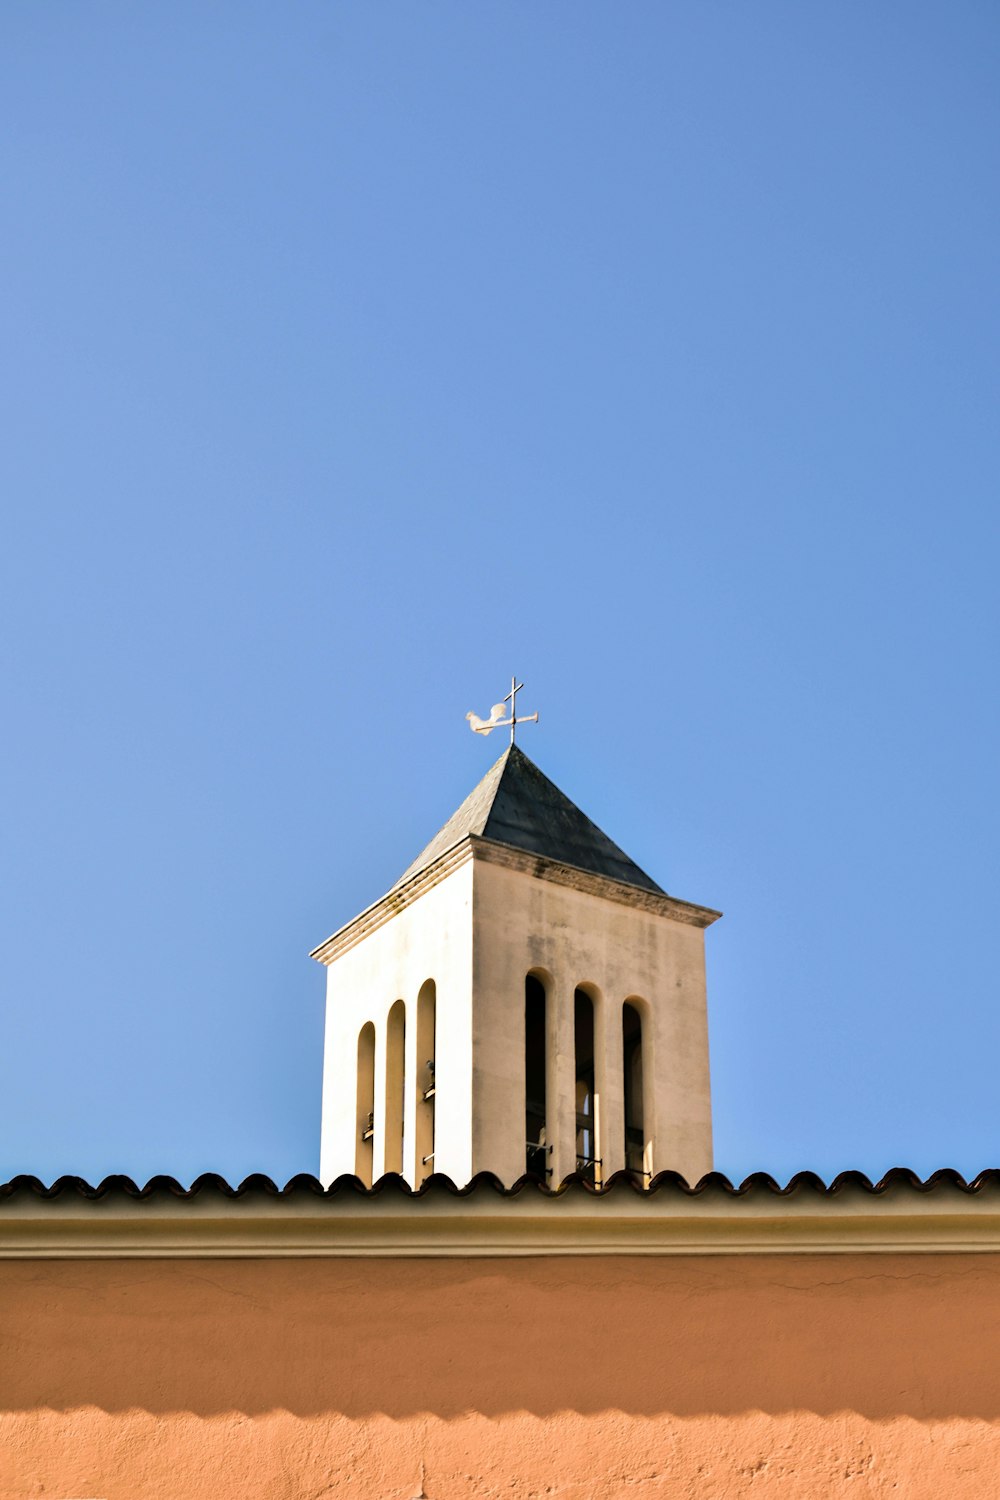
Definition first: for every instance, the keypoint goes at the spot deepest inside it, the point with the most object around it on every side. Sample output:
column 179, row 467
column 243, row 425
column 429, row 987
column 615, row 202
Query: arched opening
column 363, row 1150
column 426, row 1088
column 635, row 1131
column 536, row 1143
column 588, row 1162
column 395, row 1083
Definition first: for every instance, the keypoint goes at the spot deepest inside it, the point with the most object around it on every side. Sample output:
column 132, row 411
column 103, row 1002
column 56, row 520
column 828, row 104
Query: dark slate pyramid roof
column 516, row 804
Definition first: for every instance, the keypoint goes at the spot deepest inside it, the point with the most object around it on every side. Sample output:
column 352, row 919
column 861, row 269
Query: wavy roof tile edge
column 305, row 1182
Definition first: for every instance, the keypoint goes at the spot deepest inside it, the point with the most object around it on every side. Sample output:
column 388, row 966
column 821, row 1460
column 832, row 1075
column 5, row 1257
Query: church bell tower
column 524, row 999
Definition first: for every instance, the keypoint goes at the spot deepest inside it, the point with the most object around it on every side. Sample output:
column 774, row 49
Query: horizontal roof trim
column 257, row 1219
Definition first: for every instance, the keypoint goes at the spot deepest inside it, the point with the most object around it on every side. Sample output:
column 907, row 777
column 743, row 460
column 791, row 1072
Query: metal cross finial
column 496, row 719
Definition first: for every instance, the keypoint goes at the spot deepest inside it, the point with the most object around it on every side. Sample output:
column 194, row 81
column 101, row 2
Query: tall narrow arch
column 426, row 1081
column 588, row 1151
column 632, row 1072
column 395, row 1085
column 365, row 1133
column 536, row 1142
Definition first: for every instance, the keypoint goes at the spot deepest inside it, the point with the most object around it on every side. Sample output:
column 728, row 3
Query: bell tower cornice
column 476, row 847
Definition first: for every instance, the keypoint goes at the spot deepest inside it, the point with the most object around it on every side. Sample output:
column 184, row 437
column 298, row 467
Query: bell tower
column 524, row 999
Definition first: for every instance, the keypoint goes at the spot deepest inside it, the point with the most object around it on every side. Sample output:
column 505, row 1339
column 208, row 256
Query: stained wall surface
column 619, row 952
column 580, row 1378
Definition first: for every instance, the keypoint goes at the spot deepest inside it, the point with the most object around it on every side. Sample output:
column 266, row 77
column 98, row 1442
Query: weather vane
column 496, row 719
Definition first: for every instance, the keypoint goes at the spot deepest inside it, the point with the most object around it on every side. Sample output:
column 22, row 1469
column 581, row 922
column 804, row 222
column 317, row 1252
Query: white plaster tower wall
column 430, row 939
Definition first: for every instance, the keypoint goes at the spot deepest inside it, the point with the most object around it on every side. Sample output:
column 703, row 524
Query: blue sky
column 357, row 355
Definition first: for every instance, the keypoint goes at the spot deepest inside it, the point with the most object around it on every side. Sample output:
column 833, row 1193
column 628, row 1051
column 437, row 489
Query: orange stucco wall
column 572, row 1378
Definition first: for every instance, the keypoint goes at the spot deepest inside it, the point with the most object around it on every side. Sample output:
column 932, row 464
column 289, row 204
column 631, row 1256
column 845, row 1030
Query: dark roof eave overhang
column 895, row 1181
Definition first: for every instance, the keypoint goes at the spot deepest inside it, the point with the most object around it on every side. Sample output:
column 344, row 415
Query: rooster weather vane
column 496, row 719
